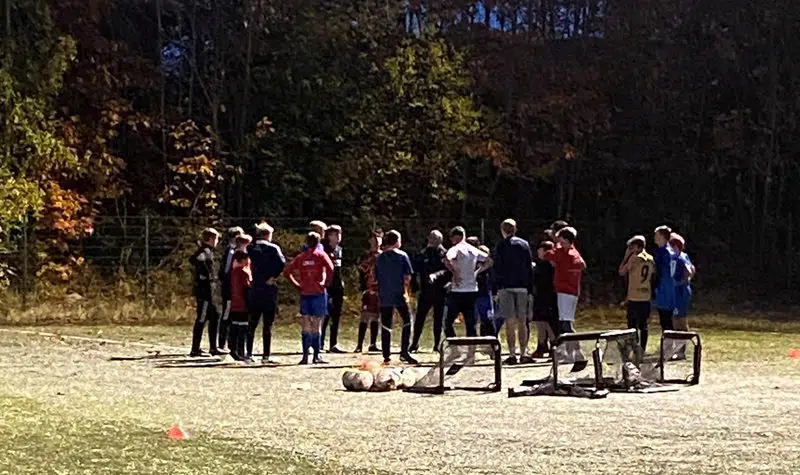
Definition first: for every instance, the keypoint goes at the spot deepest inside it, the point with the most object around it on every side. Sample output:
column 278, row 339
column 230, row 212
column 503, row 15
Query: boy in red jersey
column 241, row 279
column 569, row 266
column 311, row 273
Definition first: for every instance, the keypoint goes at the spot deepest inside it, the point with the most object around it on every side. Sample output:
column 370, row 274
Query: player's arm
column 290, row 271
column 329, row 268
column 449, row 263
column 485, row 261
column 625, row 266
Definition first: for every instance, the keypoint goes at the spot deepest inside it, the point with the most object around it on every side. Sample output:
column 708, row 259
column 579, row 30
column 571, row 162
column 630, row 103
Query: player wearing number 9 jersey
column 639, row 267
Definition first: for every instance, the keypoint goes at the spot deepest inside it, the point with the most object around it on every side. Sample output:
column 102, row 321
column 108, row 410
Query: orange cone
column 176, row 433
column 794, row 354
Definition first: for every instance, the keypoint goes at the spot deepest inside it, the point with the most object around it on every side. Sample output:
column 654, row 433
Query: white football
column 408, row 378
column 388, row 379
column 355, row 380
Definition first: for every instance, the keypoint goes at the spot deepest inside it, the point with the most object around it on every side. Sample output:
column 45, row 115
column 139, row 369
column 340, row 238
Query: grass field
column 67, row 409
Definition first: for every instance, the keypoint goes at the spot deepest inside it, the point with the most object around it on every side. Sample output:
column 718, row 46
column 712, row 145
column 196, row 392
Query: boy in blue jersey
column 393, row 273
column 684, row 272
column 665, row 282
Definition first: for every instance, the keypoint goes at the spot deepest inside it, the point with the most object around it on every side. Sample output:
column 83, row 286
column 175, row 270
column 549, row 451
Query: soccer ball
column 354, row 380
column 388, row 379
column 408, row 378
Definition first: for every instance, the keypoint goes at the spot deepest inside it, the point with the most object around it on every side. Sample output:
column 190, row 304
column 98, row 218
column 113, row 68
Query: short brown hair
column 559, row 225
column 638, row 240
column 546, row 245
column 474, row 241
column 333, row 229
column 568, row 233
column 312, row 240
column 377, row 233
column 458, row 231
column 664, row 231
column 677, row 242
column 243, row 239
column 234, row 232
column 209, row 233
column 509, row 227
column 240, row 256
column 391, row 238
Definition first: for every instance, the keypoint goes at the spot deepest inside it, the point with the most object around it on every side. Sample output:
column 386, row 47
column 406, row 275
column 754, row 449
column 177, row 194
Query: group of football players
column 511, row 285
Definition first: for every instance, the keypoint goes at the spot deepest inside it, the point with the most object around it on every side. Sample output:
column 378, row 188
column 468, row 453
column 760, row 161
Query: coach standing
column 512, row 284
column 267, row 263
column 432, row 276
column 203, row 263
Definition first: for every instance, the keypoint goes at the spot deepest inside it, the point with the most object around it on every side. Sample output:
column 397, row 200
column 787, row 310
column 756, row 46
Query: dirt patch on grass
column 742, row 418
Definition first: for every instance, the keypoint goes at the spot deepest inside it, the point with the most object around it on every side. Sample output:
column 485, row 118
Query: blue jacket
column 513, row 265
column 266, row 262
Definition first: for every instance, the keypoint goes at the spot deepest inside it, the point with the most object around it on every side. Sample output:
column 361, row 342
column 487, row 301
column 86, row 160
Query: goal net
column 594, row 359
column 466, row 363
column 679, row 358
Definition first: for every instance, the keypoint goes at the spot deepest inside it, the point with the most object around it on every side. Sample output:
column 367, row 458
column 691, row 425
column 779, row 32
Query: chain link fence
column 144, row 257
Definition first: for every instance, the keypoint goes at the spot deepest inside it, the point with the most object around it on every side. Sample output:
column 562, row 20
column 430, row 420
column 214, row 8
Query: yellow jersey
column 640, row 277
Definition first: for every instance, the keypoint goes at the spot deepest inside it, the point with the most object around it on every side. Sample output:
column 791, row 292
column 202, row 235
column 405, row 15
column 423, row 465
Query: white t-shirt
column 465, row 258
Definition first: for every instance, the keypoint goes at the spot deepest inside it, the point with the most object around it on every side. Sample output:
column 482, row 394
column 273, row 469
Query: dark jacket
column 202, row 262
column 266, row 262
column 513, row 265
column 430, row 260
column 337, row 284
column 225, row 268
column 544, row 301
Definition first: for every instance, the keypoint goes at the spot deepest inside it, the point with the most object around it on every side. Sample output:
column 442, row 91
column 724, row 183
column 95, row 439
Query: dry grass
column 741, row 419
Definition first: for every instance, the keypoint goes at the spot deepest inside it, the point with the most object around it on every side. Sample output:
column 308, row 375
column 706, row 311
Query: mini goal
column 466, row 364
column 679, row 358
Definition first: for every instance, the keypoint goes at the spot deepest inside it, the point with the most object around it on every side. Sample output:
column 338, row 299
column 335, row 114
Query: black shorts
column 545, row 311
column 240, row 317
column 638, row 311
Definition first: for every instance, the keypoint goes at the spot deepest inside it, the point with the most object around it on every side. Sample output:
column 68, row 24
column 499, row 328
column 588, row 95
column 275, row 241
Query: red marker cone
column 794, row 354
column 176, row 433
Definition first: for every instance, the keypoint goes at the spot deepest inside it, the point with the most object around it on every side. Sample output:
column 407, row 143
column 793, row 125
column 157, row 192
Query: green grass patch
column 37, row 439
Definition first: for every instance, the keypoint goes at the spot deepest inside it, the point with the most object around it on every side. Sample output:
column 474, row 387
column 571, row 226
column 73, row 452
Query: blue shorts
column 682, row 298
column 314, row 305
column 484, row 307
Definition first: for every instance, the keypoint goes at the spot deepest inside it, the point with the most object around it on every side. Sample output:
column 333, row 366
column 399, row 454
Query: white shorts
column 567, row 305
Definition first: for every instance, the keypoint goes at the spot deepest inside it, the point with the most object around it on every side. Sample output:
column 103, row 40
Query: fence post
column 25, row 265
column 483, row 230
column 147, row 265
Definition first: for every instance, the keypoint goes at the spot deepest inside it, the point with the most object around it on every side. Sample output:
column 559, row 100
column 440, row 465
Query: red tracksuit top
column 241, row 278
column 313, row 269
column 569, row 267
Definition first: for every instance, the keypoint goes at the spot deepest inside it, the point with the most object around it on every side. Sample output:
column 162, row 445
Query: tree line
column 616, row 114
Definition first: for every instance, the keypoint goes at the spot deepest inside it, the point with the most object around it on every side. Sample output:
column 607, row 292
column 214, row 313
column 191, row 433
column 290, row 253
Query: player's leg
column 468, row 311
column 270, row 311
column 306, row 326
column 239, row 323
column 213, row 329
column 523, row 330
column 505, row 301
column 255, row 316
column 665, row 318
column 197, row 329
column 439, row 304
column 335, row 314
column 224, row 324
column 405, row 316
column 424, row 305
column 319, row 309
column 453, row 307
column 386, row 333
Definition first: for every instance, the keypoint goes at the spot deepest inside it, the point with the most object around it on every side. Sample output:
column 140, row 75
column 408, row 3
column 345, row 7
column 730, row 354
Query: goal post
column 460, row 367
column 598, row 357
column 673, row 357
